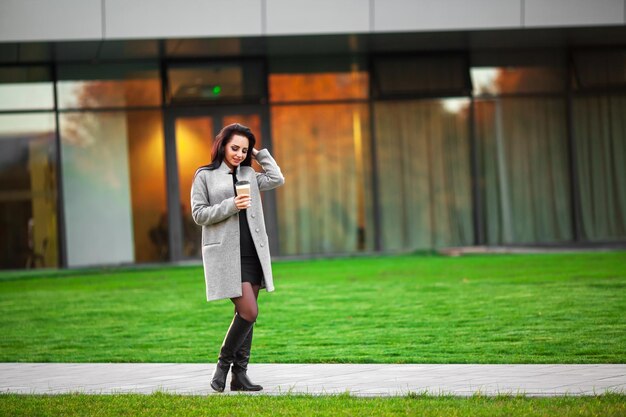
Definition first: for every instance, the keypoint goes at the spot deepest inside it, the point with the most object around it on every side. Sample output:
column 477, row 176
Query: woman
column 235, row 249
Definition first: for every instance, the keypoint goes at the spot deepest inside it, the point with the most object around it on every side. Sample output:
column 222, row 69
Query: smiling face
column 236, row 150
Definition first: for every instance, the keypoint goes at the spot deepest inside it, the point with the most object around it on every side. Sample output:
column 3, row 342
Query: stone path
column 356, row 379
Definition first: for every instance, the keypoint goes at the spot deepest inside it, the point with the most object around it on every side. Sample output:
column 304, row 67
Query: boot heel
column 241, row 382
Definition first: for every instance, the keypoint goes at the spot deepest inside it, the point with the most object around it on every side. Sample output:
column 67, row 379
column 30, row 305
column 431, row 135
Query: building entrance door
column 189, row 139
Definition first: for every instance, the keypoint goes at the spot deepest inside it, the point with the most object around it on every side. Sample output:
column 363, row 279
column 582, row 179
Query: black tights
column 246, row 305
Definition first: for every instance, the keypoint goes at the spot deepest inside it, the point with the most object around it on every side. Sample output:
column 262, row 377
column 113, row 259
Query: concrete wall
column 33, row 20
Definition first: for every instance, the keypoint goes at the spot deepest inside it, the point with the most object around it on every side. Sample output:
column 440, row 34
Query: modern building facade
column 400, row 125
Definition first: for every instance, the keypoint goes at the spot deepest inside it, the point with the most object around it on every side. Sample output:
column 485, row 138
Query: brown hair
column 221, row 140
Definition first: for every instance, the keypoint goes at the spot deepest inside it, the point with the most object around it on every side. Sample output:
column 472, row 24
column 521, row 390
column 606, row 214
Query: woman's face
column 236, row 150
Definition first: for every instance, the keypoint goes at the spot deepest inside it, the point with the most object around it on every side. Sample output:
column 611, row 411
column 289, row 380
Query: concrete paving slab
column 316, row 379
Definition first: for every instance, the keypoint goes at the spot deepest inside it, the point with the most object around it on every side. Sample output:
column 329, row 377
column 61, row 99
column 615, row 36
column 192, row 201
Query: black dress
column 251, row 270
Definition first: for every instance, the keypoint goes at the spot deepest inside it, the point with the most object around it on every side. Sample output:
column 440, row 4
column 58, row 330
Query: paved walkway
column 357, row 379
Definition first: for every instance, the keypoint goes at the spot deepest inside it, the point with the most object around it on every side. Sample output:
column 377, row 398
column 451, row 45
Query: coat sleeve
column 272, row 177
column 202, row 211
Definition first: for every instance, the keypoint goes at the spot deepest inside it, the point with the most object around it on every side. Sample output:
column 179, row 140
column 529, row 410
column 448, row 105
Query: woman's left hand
column 254, row 152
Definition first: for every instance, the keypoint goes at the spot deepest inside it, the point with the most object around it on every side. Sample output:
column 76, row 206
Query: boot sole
column 218, row 389
column 243, row 389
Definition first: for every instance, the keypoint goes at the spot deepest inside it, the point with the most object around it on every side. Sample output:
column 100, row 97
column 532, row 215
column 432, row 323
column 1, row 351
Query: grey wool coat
column 213, row 208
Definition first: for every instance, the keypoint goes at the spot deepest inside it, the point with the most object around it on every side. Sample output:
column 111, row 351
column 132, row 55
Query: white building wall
column 33, row 20
column 550, row 13
column 131, row 19
column 45, row 20
column 408, row 15
column 318, row 16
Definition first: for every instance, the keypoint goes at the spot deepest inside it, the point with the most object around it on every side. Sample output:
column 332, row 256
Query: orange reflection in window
column 146, row 153
column 316, row 87
column 323, row 151
column 194, row 139
column 109, row 93
column 493, row 81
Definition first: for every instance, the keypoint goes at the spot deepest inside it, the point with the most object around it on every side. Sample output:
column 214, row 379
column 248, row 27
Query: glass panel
column 422, row 150
column 327, row 206
column 420, row 76
column 114, row 187
column 28, row 191
column 524, row 169
column 597, row 69
column 500, row 80
column 25, row 88
column 146, row 159
column 316, row 87
column 600, row 143
column 85, row 86
column 194, row 138
column 216, row 82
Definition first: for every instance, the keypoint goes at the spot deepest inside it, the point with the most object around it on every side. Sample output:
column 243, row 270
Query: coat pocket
column 212, row 243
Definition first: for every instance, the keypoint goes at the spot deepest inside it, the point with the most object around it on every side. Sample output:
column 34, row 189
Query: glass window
column 100, row 86
column 194, row 140
column 26, row 88
column 599, row 130
column 519, row 72
column 524, row 169
column 327, row 206
column 28, row 191
column 415, row 76
column 325, row 78
column 114, row 187
column 317, row 87
column 511, row 80
column 422, row 152
column 523, row 165
column 599, row 69
column 216, row 82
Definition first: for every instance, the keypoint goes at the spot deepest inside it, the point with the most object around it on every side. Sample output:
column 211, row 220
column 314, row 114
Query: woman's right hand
column 242, row 202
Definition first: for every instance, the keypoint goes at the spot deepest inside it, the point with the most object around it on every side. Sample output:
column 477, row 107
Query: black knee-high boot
column 236, row 335
column 240, row 380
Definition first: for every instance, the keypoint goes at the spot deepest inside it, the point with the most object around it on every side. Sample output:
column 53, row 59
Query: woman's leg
column 245, row 316
column 240, row 380
column 246, row 305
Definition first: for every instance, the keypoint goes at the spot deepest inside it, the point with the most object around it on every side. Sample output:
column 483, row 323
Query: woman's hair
column 218, row 152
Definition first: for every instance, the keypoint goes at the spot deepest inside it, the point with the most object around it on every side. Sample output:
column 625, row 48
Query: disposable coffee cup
column 242, row 187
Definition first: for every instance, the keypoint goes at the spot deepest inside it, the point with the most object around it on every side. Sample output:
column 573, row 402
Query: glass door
column 191, row 136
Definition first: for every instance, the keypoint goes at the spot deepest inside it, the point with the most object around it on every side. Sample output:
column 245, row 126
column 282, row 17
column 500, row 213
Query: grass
column 161, row 404
column 549, row 308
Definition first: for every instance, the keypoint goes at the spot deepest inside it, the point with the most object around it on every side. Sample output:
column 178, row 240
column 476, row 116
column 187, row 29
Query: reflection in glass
column 319, row 86
column 600, row 68
column 28, row 191
column 410, row 76
column 422, row 150
column 84, row 86
column 600, row 143
column 25, row 88
column 114, row 183
column 216, row 82
column 524, row 169
column 194, row 138
column 327, row 206
column 500, row 80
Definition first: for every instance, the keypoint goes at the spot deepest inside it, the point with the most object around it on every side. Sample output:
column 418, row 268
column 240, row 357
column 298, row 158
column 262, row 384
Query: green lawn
column 291, row 405
column 551, row 308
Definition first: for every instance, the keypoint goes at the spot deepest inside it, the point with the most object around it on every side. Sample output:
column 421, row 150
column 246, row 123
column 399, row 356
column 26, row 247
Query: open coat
column 213, row 208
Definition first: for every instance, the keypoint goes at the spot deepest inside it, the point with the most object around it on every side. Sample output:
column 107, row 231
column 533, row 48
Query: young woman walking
column 235, row 247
